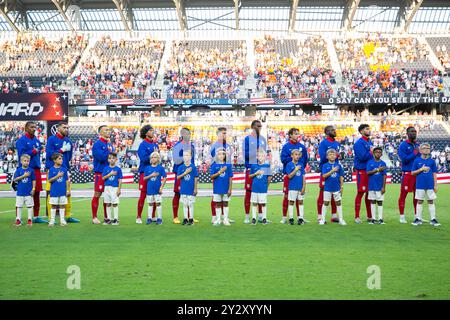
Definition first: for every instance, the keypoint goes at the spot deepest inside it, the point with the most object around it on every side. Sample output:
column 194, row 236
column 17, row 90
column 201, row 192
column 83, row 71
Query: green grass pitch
column 238, row 262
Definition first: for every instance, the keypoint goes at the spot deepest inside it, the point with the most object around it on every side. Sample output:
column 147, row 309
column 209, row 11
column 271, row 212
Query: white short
column 258, row 198
column 295, row 195
column 110, row 195
column 336, row 195
column 186, row 199
column 61, row 201
column 24, row 201
column 221, row 198
column 375, row 195
column 420, row 194
column 151, row 198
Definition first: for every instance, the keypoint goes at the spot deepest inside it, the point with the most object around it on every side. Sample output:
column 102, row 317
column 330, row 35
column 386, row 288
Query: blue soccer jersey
column 187, row 184
column 221, row 184
column 424, row 180
column 260, row 183
column 112, row 181
column 376, row 179
column 25, row 185
column 59, row 187
column 332, row 183
column 296, row 183
column 154, row 183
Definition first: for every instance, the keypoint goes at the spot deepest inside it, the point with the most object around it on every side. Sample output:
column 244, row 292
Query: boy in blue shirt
column 424, row 168
column 376, row 170
column 59, row 189
column 187, row 173
column 261, row 176
column 222, row 178
column 112, row 177
column 333, row 175
column 297, row 182
column 26, row 186
column 155, row 176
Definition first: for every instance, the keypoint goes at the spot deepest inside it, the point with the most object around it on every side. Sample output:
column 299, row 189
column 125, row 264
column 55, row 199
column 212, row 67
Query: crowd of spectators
column 303, row 72
column 118, row 69
column 198, row 72
column 444, row 56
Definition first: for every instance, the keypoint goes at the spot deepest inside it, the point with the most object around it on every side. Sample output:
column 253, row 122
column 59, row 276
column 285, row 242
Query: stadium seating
column 289, row 68
column 441, row 47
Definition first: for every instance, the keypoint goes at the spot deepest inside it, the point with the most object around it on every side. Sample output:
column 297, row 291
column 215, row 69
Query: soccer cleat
column 158, row 221
column 29, row 223
column 139, row 221
column 231, row 221
column 283, row 220
column 342, row 222
column 63, row 223
column 246, row 221
column 264, row 221
column 371, row 221
column 300, row 221
column 291, row 221
column 149, row 221
column 358, row 221
column 191, row 221
column 254, row 221
column 416, row 222
column 51, row 224
column 115, row 222
column 18, row 223
column 96, row 221
column 403, row 219
column 216, row 222
column 226, row 222
column 435, row 223
column 72, row 220
column 322, row 222
column 107, row 222
column 176, row 220
column 185, row 222
column 335, row 220
column 381, row 221
column 154, row 219
column 39, row 220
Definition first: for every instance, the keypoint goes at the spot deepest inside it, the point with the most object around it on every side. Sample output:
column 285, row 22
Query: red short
column 142, row 183
column 248, row 180
column 286, row 184
column 176, row 185
column 37, row 173
column 362, row 181
column 99, row 184
column 408, row 182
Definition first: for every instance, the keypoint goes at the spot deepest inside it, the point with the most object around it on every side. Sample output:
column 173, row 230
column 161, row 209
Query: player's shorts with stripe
column 110, row 195
column 154, row 198
column 142, row 183
column 336, row 196
column 187, row 199
column 37, row 173
column 248, row 180
column 408, row 182
column 421, row 194
column 24, row 201
column 375, row 195
column 176, row 185
column 221, row 197
column 99, row 184
column 294, row 195
column 61, row 201
column 362, row 181
column 260, row 198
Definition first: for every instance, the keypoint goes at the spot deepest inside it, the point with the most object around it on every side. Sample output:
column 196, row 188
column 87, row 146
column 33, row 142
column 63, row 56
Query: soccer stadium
column 222, row 150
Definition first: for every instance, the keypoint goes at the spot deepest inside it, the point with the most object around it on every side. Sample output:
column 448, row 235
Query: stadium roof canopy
column 415, row 16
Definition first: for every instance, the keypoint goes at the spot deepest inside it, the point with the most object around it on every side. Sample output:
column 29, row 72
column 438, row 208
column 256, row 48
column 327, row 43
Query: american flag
column 261, row 101
column 156, row 101
column 294, row 101
column 122, row 102
column 86, row 102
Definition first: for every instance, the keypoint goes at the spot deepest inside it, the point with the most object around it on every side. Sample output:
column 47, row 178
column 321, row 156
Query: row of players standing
column 363, row 150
